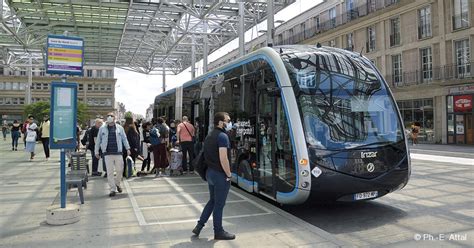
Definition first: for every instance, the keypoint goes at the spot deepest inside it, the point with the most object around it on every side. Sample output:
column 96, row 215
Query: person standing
column 16, row 127
column 4, row 130
column 111, row 138
column 94, row 131
column 146, row 143
column 159, row 147
column 24, row 128
column 44, row 129
column 31, row 140
column 185, row 135
column 216, row 156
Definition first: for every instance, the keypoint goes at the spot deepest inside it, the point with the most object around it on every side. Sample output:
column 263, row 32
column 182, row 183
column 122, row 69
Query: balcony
column 446, row 72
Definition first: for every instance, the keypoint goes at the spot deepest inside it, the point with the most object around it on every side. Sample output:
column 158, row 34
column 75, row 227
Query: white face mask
column 110, row 119
column 228, row 126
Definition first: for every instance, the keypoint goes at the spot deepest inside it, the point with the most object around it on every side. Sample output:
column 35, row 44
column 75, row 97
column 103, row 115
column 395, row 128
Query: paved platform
column 150, row 212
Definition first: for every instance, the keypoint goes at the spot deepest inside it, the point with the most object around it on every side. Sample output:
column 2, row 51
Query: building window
column 317, row 22
column 290, row 36
column 426, row 63
column 350, row 41
column 89, row 73
column 8, row 86
column 81, row 87
column 22, row 72
column 332, row 43
column 461, row 14
column 396, row 69
column 89, row 87
column 370, row 38
column 11, row 72
column 424, row 22
column 463, row 65
column 110, row 73
column 42, row 72
column 351, row 10
column 99, row 73
column 421, row 111
column 332, row 17
column 395, row 32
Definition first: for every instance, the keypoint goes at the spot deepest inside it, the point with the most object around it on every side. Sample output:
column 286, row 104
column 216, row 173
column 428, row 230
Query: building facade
column 421, row 47
column 96, row 88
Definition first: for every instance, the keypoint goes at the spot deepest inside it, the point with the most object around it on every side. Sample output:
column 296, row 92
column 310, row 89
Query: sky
column 137, row 91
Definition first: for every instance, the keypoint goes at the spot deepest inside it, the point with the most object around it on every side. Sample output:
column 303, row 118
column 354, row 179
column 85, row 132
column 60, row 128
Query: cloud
column 137, row 91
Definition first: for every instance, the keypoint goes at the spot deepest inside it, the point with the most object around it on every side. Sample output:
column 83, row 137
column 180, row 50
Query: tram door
column 265, row 128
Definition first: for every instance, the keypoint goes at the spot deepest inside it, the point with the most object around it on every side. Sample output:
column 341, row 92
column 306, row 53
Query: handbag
column 200, row 165
column 31, row 136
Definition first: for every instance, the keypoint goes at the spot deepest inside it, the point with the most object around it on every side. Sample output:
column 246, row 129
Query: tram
column 310, row 123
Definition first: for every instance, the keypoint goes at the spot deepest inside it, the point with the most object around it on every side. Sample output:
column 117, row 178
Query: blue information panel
column 63, row 115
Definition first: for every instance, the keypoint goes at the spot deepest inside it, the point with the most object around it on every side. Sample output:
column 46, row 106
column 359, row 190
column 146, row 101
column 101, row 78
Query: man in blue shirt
column 217, row 158
column 110, row 139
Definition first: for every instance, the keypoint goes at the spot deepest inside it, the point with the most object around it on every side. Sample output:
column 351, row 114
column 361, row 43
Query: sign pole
column 63, row 166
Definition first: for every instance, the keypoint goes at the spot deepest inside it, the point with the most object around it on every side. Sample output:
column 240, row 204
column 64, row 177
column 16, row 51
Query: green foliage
column 38, row 110
column 128, row 115
column 82, row 112
column 41, row 109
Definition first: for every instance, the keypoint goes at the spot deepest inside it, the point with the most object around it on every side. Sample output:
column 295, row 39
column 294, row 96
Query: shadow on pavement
column 340, row 217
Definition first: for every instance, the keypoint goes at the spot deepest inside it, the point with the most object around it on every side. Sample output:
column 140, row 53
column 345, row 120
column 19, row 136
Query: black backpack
column 200, row 165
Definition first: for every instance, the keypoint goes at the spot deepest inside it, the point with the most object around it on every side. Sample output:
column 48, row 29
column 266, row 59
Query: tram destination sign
column 65, row 55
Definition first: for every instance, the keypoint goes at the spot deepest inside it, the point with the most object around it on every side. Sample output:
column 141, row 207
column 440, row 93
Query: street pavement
column 435, row 209
column 151, row 212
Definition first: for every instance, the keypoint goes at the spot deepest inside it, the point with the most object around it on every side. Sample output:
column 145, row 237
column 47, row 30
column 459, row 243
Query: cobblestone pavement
column 435, row 209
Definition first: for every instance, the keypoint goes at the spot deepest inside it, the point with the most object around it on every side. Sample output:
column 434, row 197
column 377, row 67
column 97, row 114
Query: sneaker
column 16, row 149
column 119, row 189
column 197, row 229
column 13, row 149
column 47, row 159
column 112, row 193
column 105, row 175
column 224, row 236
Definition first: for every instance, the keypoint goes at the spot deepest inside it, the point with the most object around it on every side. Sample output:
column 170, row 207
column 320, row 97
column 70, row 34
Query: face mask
column 228, row 126
column 110, row 119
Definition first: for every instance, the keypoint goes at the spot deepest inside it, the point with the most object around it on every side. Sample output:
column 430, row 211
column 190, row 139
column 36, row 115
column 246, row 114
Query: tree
column 38, row 110
column 42, row 109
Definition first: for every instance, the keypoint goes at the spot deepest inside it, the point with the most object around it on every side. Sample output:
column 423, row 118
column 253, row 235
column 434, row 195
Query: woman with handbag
column 31, row 140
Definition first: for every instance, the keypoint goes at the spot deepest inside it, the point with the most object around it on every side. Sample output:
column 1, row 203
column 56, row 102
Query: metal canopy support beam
column 241, row 29
column 164, row 78
column 205, row 48
column 193, row 59
column 270, row 23
column 30, row 79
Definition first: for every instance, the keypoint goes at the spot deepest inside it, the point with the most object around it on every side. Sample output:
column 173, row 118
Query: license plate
column 365, row 195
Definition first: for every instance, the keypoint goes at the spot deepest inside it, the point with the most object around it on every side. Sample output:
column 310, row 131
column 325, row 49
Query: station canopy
column 145, row 36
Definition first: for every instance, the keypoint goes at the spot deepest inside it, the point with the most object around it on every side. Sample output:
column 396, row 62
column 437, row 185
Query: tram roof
column 139, row 35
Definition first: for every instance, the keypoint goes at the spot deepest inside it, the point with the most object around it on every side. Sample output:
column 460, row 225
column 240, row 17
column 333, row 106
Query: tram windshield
column 342, row 103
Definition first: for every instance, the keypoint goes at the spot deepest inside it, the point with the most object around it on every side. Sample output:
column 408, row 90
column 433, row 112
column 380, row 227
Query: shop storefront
column 421, row 111
column 460, row 115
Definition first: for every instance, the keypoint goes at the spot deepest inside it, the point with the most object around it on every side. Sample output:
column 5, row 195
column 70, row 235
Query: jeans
column 114, row 163
column 95, row 162
column 15, row 137
column 218, row 190
column 4, row 134
column 187, row 147
column 45, row 142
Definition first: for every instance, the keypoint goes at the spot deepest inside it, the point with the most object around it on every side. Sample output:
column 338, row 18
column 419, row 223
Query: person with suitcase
column 176, row 159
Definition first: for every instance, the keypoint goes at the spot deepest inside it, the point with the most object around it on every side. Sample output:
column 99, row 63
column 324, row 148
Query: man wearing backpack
column 216, row 157
column 185, row 134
